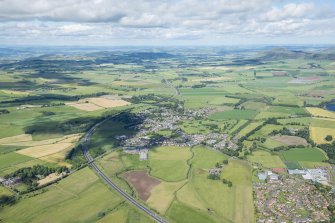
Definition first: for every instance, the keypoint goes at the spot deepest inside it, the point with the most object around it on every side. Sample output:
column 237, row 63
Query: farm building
column 143, row 154
column 273, row 177
column 279, row 73
column 296, row 172
column 215, row 171
column 316, row 175
column 279, row 170
column 262, row 176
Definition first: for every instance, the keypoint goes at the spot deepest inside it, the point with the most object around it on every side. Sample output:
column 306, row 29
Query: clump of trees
column 272, row 121
column 4, row 111
column 228, row 182
column 213, row 176
column 7, row 200
column 330, row 150
column 199, row 86
column 30, row 175
column 329, row 138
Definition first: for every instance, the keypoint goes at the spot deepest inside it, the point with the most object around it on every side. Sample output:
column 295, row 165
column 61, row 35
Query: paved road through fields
column 90, row 161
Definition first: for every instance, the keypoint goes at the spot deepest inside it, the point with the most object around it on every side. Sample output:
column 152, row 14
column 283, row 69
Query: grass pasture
column 163, row 194
column 223, row 100
column 169, row 163
column 235, row 114
column 266, row 159
column 303, row 154
column 226, row 204
column 4, row 191
column 180, row 213
column 66, row 201
column 12, row 159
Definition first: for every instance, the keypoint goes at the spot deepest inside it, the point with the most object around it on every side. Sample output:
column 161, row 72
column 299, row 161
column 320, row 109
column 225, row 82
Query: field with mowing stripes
column 169, row 163
column 266, row 159
column 66, row 201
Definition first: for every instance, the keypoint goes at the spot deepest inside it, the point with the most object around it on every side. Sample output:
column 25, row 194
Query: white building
column 316, row 175
column 296, row 172
column 143, row 154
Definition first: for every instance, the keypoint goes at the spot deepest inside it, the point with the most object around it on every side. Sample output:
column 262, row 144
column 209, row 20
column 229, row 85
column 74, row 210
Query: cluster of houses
column 290, row 200
column 268, row 175
column 10, row 181
column 155, row 120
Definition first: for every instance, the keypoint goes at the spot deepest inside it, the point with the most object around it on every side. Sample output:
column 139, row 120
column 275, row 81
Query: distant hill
column 283, row 53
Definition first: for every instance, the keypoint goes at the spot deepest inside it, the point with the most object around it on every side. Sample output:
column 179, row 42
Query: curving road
column 90, row 161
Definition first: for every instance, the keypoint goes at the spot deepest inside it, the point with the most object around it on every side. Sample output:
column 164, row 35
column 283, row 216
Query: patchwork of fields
column 207, row 120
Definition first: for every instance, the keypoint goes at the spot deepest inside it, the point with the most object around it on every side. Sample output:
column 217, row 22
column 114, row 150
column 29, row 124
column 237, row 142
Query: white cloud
column 164, row 19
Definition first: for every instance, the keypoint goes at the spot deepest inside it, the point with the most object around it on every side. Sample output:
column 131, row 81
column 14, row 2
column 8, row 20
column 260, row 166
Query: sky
column 166, row 22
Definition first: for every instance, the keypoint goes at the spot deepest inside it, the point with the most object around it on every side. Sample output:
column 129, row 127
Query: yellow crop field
column 319, row 112
column 318, row 134
column 94, row 104
column 17, row 138
column 49, row 178
column 26, row 140
column 57, row 158
column 45, row 150
column 107, row 103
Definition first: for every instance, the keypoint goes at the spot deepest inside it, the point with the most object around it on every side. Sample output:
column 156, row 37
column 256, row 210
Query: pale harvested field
column 50, row 178
column 163, row 195
column 45, row 150
column 68, row 138
column 319, row 112
column 17, row 138
column 318, row 134
column 216, row 68
column 213, row 79
column 94, row 104
column 106, row 103
column 290, row 140
column 58, row 158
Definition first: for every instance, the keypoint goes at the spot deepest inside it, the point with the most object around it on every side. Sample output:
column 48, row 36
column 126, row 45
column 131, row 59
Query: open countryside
column 179, row 111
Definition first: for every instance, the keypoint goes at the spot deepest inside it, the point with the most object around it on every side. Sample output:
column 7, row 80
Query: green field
column 303, row 154
column 66, row 201
column 234, row 114
column 184, row 214
column 201, row 193
column 266, row 159
column 4, row 191
column 213, row 104
column 12, row 159
column 169, row 163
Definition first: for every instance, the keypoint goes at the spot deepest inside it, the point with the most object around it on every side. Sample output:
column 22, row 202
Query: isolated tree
column 329, row 138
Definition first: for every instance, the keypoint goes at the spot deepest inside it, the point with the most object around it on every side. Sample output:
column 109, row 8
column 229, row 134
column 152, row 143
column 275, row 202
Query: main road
column 90, row 161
